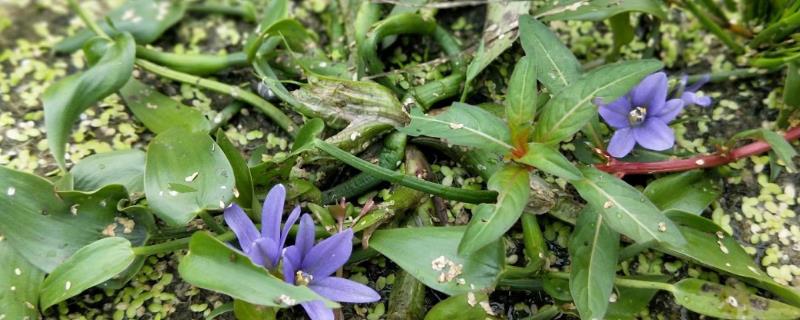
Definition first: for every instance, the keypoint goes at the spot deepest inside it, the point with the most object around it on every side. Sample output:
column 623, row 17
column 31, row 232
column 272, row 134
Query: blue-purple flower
column 689, row 94
column 642, row 116
column 263, row 248
column 311, row 265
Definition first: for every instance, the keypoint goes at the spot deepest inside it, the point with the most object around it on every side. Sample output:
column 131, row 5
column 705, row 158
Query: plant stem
column 246, row 12
column 281, row 119
column 225, row 115
column 707, row 161
column 713, row 27
column 86, row 18
column 211, row 222
column 730, row 75
column 197, row 64
column 623, row 282
column 173, row 245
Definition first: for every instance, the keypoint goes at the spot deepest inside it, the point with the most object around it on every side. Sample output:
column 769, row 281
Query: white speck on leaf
column 192, row 177
column 11, row 191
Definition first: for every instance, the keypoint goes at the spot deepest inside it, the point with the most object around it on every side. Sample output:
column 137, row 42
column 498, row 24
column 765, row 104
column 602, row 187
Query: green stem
column 225, row 115
column 211, row 222
column 405, row 23
column 458, row 194
column 707, row 22
column 245, row 11
column 197, row 64
column 432, row 92
column 521, row 284
column 731, row 75
column 281, row 119
column 86, row 18
column 624, row 282
column 177, row 244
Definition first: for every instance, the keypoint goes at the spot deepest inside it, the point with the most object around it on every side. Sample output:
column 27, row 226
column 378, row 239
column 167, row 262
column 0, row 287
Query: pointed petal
column 316, row 310
column 651, row 92
column 690, row 98
column 241, row 225
column 290, row 263
column 622, row 142
column 697, row 85
column 269, row 252
column 343, row 290
column 255, row 254
column 329, row 254
column 304, row 240
column 272, row 211
column 288, row 225
column 616, row 113
column 670, row 110
column 654, row 134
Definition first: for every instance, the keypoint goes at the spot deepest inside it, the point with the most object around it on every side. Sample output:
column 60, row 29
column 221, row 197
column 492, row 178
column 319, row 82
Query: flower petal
column 288, row 225
column 329, row 254
column 291, row 259
column 242, row 226
column 269, row 251
column 272, row 211
column 654, row 134
column 616, row 113
column 304, row 240
column 690, row 98
column 696, row 86
column 316, row 310
column 670, row 110
column 651, row 92
column 622, row 142
column 343, row 290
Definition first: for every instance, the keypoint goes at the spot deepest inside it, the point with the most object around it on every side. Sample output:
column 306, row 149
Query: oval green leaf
column 20, row 281
column 556, row 67
column 725, row 302
column 464, row 125
column 124, row 167
column 690, row 191
column 158, row 112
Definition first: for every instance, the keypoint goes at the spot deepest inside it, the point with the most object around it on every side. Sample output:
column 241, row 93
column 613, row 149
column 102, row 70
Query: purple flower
column 689, row 95
column 642, row 116
column 312, row 265
column 264, row 249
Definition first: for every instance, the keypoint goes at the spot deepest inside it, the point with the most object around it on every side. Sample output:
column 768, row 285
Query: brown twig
column 622, row 168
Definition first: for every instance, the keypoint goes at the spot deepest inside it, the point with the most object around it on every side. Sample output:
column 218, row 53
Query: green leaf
column 597, row 10
column 480, row 270
column 625, row 209
column 690, row 191
column 66, row 99
column 490, row 221
column 292, row 32
column 249, row 311
column 89, row 266
column 465, row 306
column 245, row 193
column 213, row 265
column 557, row 288
column 725, row 302
column 464, row 125
column 521, row 99
column 305, row 136
column 20, row 281
column 499, row 33
column 549, row 160
column 594, row 248
column 123, row 167
column 186, row 172
column 158, row 112
column 146, row 20
column 46, row 228
column 632, row 301
column 572, row 108
column 556, row 67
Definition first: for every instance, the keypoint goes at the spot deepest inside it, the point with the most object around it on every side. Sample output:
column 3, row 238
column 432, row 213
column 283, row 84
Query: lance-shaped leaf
column 213, row 265
column 20, row 281
column 244, row 192
column 521, row 99
column 186, row 172
column 439, row 266
column 89, row 266
column 158, row 112
column 597, row 10
column 556, row 66
column 690, row 191
column 47, row 228
column 490, row 221
column 499, row 33
column 726, row 302
column 547, row 159
column 463, row 306
column 124, row 167
column 572, row 108
column 593, row 249
column 462, row 124
column 66, row 99
column 625, row 209
column 146, row 20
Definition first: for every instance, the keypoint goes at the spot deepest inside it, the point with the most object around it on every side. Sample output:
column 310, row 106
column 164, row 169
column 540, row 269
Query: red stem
column 622, row 168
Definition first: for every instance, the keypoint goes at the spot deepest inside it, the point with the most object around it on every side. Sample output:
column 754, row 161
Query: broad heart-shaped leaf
column 597, row 10
column 490, row 221
column 245, row 193
column 463, row 307
column 124, row 167
column 480, row 270
column 47, row 228
column 185, row 173
column 556, row 66
column 625, row 209
column 146, row 20
column 725, row 302
column 158, row 112
column 66, row 99
column 89, row 266
column 20, row 281
column 549, row 160
column 690, row 191
column 594, row 249
column 521, row 99
column 213, row 265
column 464, row 125
column 572, row 108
